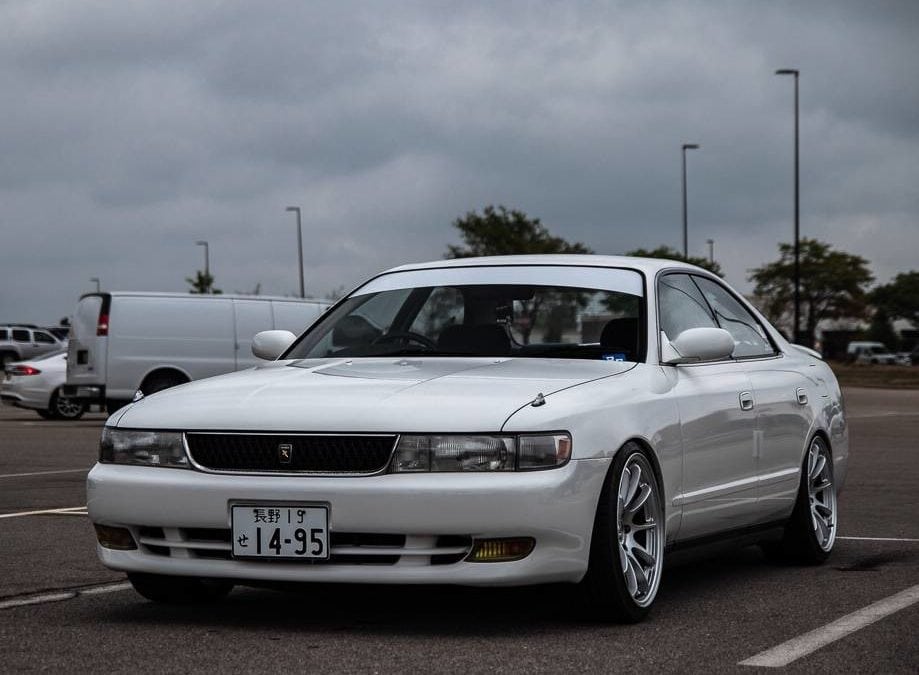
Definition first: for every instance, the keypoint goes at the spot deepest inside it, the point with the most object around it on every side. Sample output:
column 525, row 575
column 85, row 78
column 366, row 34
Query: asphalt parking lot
column 61, row 610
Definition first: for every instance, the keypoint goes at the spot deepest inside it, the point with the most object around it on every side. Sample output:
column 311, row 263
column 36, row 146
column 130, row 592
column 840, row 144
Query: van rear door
column 87, row 351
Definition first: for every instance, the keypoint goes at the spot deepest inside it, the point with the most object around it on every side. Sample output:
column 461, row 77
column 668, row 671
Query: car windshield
column 463, row 315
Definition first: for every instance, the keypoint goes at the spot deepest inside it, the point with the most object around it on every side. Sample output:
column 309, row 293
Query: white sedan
column 491, row 421
column 36, row 385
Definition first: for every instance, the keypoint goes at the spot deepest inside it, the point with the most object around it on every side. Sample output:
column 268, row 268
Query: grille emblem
column 285, row 453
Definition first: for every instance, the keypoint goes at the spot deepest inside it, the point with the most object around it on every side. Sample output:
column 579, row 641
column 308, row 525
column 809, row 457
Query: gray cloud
column 131, row 130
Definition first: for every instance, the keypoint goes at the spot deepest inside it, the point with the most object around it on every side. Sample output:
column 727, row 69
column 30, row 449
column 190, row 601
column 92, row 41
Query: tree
column 202, row 284
column 900, row 298
column 668, row 253
column 499, row 231
column 881, row 329
column 833, row 285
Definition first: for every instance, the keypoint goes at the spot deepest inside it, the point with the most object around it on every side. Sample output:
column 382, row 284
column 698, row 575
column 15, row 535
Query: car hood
column 361, row 395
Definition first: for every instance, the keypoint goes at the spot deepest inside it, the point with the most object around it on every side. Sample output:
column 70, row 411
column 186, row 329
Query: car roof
column 649, row 266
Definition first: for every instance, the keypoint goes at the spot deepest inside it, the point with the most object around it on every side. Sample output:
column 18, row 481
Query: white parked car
column 871, row 353
column 491, row 421
column 37, row 384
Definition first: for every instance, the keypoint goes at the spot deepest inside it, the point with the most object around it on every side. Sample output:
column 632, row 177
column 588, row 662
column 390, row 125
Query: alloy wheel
column 821, row 494
column 640, row 530
column 67, row 408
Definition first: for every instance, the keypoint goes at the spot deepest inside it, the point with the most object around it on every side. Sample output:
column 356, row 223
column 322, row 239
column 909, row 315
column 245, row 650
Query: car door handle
column 746, row 400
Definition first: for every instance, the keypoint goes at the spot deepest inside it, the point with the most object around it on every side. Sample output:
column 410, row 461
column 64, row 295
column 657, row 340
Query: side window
column 20, row 335
column 748, row 334
column 44, row 338
column 444, row 307
column 3, row 334
column 682, row 305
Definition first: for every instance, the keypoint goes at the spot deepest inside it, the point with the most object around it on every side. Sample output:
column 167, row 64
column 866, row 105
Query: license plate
column 280, row 532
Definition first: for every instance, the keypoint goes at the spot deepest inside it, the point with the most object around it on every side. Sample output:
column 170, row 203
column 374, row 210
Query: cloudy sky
column 129, row 130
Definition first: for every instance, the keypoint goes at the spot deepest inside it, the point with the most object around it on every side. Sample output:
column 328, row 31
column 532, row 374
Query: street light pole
column 96, row 279
column 686, row 146
column 207, row 263
column 296, row 209
column 711, row 251
column 797, row 326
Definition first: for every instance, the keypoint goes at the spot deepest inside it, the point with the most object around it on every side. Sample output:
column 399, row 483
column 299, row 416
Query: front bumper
column 555, row 507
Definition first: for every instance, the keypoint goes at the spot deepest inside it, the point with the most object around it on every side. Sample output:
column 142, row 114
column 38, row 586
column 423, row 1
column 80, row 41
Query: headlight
column 146, row 448
column 416, row 454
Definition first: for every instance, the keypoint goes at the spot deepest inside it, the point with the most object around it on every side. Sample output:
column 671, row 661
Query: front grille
column 307, row 453
column 348, row 548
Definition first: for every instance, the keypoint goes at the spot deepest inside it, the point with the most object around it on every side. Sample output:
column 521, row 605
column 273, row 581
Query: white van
column 122, row 342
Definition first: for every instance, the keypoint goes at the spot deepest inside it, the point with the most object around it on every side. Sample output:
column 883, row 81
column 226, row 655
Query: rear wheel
column 7, row 357
column 627, row 548
column 811, row 530
column 113, row 404
column 61, row 408
column 157, row 383
column 179, row 590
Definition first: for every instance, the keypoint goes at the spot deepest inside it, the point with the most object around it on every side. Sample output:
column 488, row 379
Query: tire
column 60, row 408
column 114, row 404
column 179, row 590
column 811, row 531
column 627, row 546
column 159, row 383
column 7, row 357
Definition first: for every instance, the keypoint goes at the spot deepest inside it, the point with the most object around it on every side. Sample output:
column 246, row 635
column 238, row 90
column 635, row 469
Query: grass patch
column 884, row 377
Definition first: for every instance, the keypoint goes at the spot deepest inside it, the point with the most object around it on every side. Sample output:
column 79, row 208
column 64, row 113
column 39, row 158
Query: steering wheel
column 406, row 337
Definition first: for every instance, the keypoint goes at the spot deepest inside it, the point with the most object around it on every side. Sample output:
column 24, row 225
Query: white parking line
column 877, row 539
column 794, row 649
column 69, row 511
column 42, row 473
column 63, row 595
column 888, row 413
column 37, row 600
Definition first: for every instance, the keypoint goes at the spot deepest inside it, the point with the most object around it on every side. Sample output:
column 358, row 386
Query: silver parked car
column 483, row 421
column 23, row 341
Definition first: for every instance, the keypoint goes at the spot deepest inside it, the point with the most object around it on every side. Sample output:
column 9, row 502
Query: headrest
column 483, row 340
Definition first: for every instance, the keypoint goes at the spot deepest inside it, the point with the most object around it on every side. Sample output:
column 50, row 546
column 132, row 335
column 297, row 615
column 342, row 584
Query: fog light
column 117, row 538
column 501, row 550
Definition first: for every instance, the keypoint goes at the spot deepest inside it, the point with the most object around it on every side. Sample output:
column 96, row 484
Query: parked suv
column 19, row 342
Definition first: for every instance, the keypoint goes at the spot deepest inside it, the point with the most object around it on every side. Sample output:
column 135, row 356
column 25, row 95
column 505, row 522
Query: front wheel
column 627, row 548
column 179, row 590
column 811, row 530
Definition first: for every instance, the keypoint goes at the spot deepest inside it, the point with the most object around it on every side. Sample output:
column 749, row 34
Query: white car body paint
column 722, row 467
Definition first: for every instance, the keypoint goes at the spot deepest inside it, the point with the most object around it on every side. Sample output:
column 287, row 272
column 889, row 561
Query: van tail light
column 23, row 370
column 102, row 326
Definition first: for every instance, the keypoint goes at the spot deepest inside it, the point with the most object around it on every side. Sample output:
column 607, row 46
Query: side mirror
column 697, row 344
column 270, row 344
